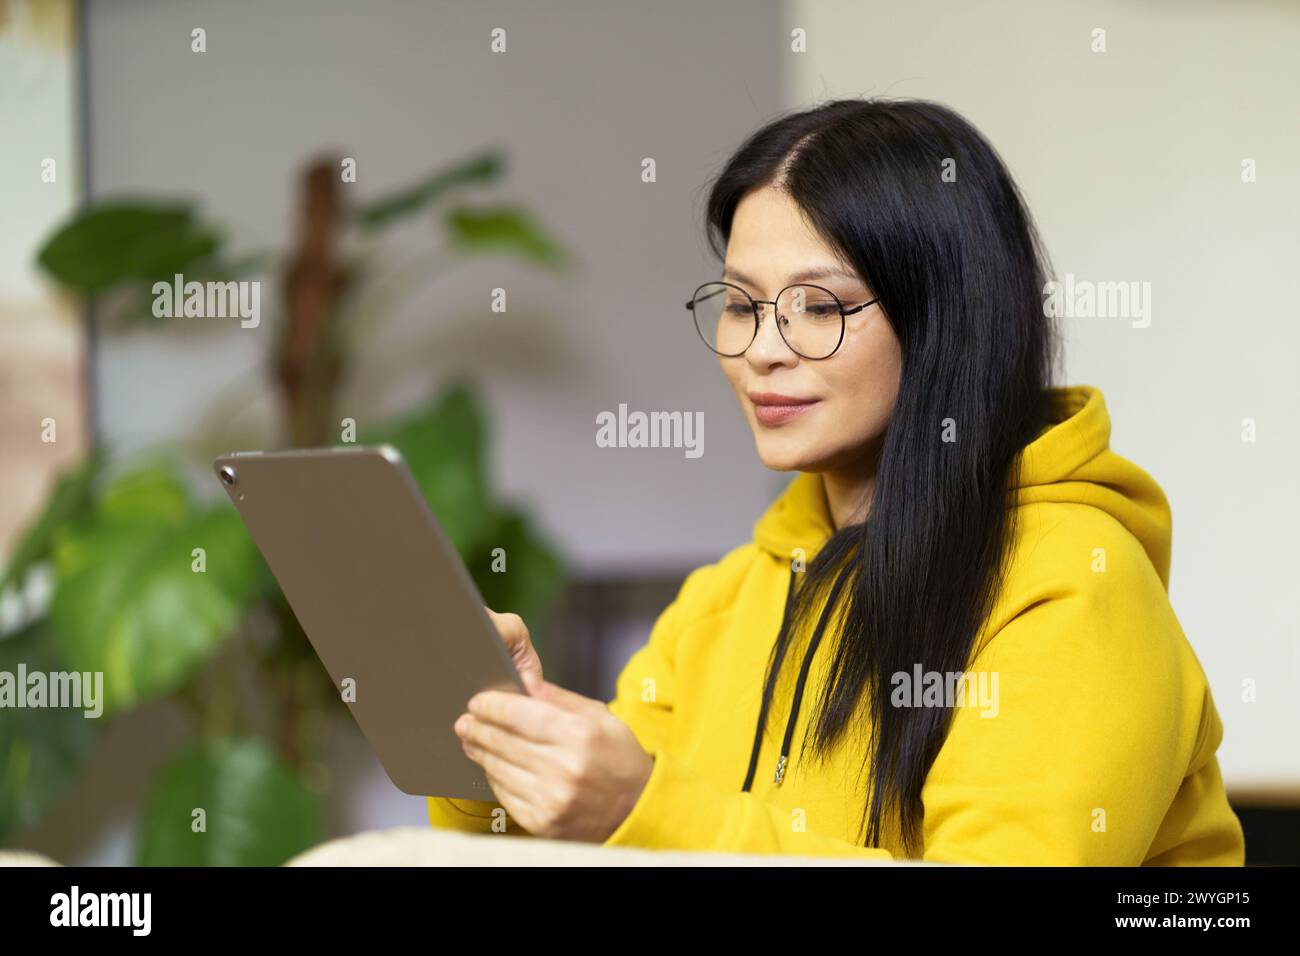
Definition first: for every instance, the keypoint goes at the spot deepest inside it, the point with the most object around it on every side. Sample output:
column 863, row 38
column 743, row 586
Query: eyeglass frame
column 755, row 303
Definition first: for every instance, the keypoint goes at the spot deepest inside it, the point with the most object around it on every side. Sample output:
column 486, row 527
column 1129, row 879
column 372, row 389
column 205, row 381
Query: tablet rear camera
column 228, row 475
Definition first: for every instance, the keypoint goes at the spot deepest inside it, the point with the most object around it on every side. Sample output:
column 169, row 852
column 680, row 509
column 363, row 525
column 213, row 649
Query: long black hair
column 920, row 204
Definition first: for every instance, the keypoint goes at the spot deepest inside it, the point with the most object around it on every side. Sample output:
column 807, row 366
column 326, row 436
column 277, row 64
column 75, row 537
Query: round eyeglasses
column 810, row 319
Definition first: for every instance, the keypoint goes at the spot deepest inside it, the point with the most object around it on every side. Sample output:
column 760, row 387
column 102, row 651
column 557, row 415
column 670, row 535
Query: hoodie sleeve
column 1100, row 724
column 647, row 688
column 643, row 698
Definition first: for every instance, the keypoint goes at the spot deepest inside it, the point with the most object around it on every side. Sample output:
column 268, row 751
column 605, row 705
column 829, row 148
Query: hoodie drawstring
column 799, row 685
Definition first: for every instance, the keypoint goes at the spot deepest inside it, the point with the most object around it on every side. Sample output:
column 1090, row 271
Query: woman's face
column 852, row 393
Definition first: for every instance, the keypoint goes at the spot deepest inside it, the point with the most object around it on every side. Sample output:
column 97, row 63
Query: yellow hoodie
column 1093, row 743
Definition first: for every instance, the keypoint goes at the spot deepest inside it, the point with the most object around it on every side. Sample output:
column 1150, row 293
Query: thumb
column 514, row 634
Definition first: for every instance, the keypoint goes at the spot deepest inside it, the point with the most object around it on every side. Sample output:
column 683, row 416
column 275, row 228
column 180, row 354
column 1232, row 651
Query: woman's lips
column 780, row 414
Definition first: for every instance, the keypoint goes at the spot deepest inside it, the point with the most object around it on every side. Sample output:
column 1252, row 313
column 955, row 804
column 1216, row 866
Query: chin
column 780, row 457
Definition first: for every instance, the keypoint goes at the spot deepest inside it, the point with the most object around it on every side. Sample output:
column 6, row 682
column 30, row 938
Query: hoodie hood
column 1070, row 461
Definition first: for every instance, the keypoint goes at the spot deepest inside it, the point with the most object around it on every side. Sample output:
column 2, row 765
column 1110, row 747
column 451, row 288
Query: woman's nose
column 776, row 342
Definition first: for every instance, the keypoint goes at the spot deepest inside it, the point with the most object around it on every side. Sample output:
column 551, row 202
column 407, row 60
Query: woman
column 950, row 637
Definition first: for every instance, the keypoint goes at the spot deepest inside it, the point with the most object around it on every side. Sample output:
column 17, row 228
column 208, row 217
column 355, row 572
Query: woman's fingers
column 531, row 718
column 501, row 742
column 514, row 633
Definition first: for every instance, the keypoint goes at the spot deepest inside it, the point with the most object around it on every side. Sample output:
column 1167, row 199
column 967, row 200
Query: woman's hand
column 561, row 764
column 513, row 631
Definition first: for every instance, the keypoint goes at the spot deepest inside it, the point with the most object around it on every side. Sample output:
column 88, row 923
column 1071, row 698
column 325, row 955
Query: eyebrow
column 808, row 275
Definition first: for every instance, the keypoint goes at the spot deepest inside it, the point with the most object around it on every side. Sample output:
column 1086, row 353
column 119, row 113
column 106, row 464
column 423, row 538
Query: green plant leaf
column 509, row 229
column 443, row 443
column 128, row 602
column 150, row 491
column 126, row 240
column 41, row 751
column 478, row 170
column 150, row 494
column 69, row 501
column 255, row 811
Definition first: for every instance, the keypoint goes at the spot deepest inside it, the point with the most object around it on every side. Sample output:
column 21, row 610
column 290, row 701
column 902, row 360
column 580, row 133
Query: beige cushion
column 422, row 846
column 21, row 858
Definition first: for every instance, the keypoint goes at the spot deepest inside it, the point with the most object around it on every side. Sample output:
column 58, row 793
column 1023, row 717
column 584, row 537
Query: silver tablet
column 384, row 598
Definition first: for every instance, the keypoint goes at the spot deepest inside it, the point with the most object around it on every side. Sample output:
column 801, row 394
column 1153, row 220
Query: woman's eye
column 823, row 310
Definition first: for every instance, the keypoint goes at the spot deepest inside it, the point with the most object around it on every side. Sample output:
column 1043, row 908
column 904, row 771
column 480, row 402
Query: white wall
column 1131, row 161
